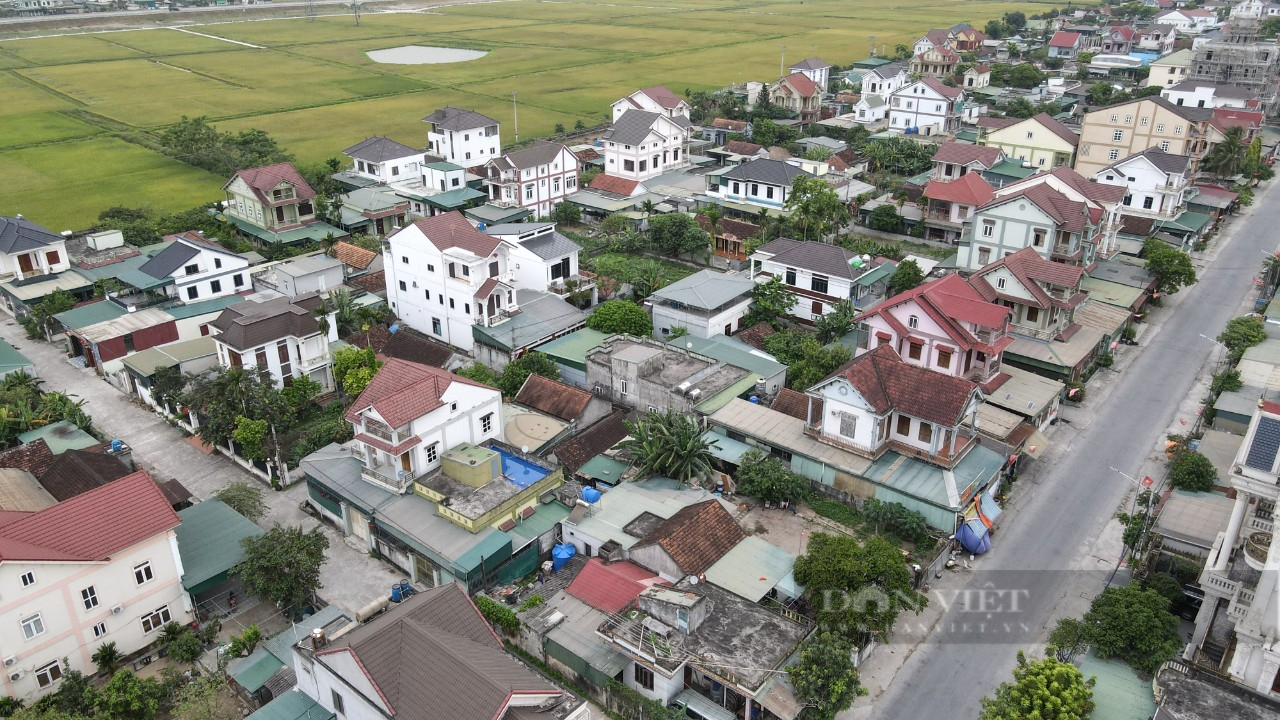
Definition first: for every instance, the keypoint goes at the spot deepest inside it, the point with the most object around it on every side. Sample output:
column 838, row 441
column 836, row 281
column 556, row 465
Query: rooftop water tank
column 561, row 554
column 590, row 494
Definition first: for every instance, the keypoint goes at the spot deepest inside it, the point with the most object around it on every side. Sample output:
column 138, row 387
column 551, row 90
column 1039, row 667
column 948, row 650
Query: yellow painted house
column 1040, row 141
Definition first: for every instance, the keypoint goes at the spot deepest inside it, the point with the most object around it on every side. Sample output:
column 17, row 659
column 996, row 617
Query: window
column 630, row 166
column 1147, row 202
column 1115, row 118
column 815, row 308
column 28, row 578
column 904, row 426
column 466, row 271
column 191, row 269
column 624, row 388
column 818, row 283
column 155, row 619
column 89, row 596
column 988, row 228
column 1143, row 121
column 791, row 276
column 1177, row 130
column 142, row 573
column 914, row 350
column 848, row 424
column 1159, row 127
column 337, row 702
column 486, row 423
column 49, row 674
column 32, row 626
column 433, row 452
column 1033, row 314
column 404, row 259
column 984, row 256
column 1038, row 236
column 644, row 677
column 1164, row 145
column 451, row 305
column 926, row 432
column 431, row 268
column 100, row 629
column 192, row 293
column 1118, row 136
column 215, row 286
column 768, row 192
column 1000, row 283
column 528, row 191
column 466, row 308
column 403, row 287
column 1113, row 154
column 427, row 294
column 755, row 189
column 944, row 358
column 913, row 322
column 1128, row 119
column 237, row 280
column 435, row 326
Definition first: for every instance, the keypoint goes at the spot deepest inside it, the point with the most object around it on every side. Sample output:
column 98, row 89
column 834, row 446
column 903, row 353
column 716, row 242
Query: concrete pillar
column 1233, row 531
column 1204, row 618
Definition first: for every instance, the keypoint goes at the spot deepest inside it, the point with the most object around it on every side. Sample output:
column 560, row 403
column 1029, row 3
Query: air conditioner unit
column 695, row 393
column 15, row 676
column 10, row 660
column 683, row 388
column 117, row 609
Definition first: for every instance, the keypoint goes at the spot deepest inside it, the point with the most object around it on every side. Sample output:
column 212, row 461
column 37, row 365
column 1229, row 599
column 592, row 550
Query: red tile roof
column 402, row 391
column 613, row 184
column 742, row 147
column 942, row 88
column 610, row 588
column 451, row 230
column 1224, row 118
column 1068, row 214
column 374, row 282
column 696, row 536
column 949, row 301
column 756, row 334
column 728, row 226
column 554, row 398
column 1064, row 39
column 888, row 383
column 1124, row 31
column 264, row 179
column 35, row 457
column 727, row 124
column 795, row 403
column 353, row 255
column 801, row 84
column 90, row 527
column 960, row 153
column 1031, row 271
column 970, row 189
column 663, row 96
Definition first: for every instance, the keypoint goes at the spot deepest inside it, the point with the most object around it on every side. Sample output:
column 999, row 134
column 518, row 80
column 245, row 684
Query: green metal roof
column 1119, row 690
column 726, row 448
column 454, row 198
column 604, row 469
column 91, row 314
column 60, row 437
column 875, row 274
column 293, row 705
column 872, row 63
column 495, row 215
column 444, row 166
column 574, row 346
column 315, row 231
column 252, row 672
column 739, row 389
column 145, row 363
column 541, row 522
column 11, row 360
column 209, row 541
column 204, row 307
column 1187, row 222
column 1111, row 293
column 1011, row 168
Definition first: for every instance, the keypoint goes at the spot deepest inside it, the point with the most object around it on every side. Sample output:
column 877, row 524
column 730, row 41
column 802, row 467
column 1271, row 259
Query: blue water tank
column 117, row 446
column 561, row 554
column 394, row 327
column 482, row 226
column 405, row 588
column 590, row 494
column 396, row 594
column 755, row 399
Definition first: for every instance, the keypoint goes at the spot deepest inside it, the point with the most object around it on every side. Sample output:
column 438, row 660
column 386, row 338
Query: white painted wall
column 665, row 318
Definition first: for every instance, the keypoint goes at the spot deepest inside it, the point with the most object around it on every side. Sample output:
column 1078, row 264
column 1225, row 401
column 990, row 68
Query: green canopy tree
column 677, row 234
column 824, row 676
column 620, row 316
column 1046, row 689
column 245, row 499
column 669, row 444
column 868, row 585
column 768, row 479
column 1192, row 471
column 815, row 207
column 282, row 565
column 1242, row 333
column 1172, row 268
column 1068, row 639
column 128, row 697
column 1134, row 625
column 885, row 218
column 519, row 370
column 907, row 276
column 770, row 301
column 1227, row 158
column 836, row 322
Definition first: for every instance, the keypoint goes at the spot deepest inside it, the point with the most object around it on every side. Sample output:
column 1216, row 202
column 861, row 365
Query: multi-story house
column 1066, row 45
column 1155, row 183
column 463, row 137
column 965, row 38
column 950, row 203
column 926, row 107
column 1188, row 22
column 272, row 199
column 935, row 38
column 978, row 76
column 817, row 274
column 762, row 182
column 641, row 145
column 543, row 259
column 944, row 326
column 1040, row 141
column 197, row 269
column 953, row 160
column 1156, row 38
column 1111, row 133
column 444, row 276
column 936, row 62
column 1118, row 39
column 797, row 93
column 383, row 160
column 28, row 250
column 536, row 178
column 411, row 414
column 704, row 304
column 100, row 567
column 282, row 335
column 1042, row 295
column 877, row 86
column 1063, row 216
column 878, row 402
column 1199, row 93
column 1170, row 69
column 815, row 69
column 656, row 99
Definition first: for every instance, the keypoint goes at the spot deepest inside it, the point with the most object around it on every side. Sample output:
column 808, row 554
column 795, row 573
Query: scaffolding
column 1240, row 57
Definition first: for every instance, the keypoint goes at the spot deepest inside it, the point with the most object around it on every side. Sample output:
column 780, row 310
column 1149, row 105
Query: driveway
column 350, row 578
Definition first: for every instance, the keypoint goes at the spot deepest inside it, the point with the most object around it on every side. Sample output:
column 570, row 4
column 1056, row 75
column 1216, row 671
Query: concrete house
column 28, row 250
column 656, row 99
column 761, row 182
column 1188, row 22
column 966, row 38
column 1042, row 294
column 543, row 259
column 1111, row 133
column 102, row 566
column 797, row 93
column 197, row 269
column 1155, row 183
column 382, row 160
column 315, row 273
column 536, row 178
column 1199, row 93
column 815, row 69
column 641, row 145
column 652, row 376
column 927, row 107
column 1066, row 45
column 951, row 203
column 953, row 160
column 1156, row 38
column 1118, row 39
column 1040, row 141
column 689, row 542
column 978, row 76
column 817, row 274
column 877, row 85
column 936, row 62
column 1170, row 69
column 274, row 204
column 936, row 38
column 944, row 326
column 281, row 335
column 463, row 137
column 705, row 303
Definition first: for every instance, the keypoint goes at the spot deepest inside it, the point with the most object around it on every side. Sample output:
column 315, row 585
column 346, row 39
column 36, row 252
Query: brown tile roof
column 963, row 153
column 1063, row 39
column 795, row 403
column 264, row 179
column 696, row 536
column 1056, row 127
column 756, row 334
column 1031, row 271
column 742, row 147
column 1134, row 225
column 402, row 391
column 247, row 325
column 1068, row 214
column 728, row 226
column 76, row 472
column 941, row 88
column 375, row 282
column 353, row 255
column 35, row 457
column 613, row 184
column 887, row 383
column 601, row 435
column 731, row 125
column 970, row 189
column 587, row 155
column 553, row 398
column 995, row 123
column 410, row 345
column 450, row 230
column 801, row 83
column 434, row 656
column 663, row 96
column 950, row 301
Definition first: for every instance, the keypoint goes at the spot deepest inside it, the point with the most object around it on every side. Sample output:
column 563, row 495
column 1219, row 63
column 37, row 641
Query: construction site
column 1240, row 57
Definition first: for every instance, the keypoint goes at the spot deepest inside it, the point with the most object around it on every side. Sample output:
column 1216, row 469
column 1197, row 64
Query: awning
column 779, row 698
column 252, row 672
column 789, row 587
column 726, row 449
column 990, row 508
column 1035, row 444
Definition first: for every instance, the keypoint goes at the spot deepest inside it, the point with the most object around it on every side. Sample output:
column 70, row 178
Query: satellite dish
column 693, row 579
column 524, row 449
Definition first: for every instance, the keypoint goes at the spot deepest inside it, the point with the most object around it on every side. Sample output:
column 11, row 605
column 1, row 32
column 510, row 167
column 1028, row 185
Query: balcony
column 562, row 287
column 379, row 431
column 310, row 362
column 965, row 439
column 844, row 443
column 398, row 481
column 1256, row 548
column 1033, row 332
column 942, row 218
column 1065, row 251
column 498, row 316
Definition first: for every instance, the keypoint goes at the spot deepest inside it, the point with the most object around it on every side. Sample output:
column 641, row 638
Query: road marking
column 215, row 37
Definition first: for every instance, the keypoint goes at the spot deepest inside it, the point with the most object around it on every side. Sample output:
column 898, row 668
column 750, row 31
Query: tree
column 42, row 313
column 353, row 368
column 1192, row 471
column 1025, row 76
column 1134, row 625
column 1227, row 158
column 1015, row 20
column 677, row 234
column 1020, row 108
column 301, row 392
column 252, row 436
column 669, row 444
column 768, row 479
column 859, row 589
column 479, row 372
column 807, row 361
column 885, row 218
column 620, row 316
column 519, row 370
column 815, row 207
column 824, row 676
column 1172, row 268
column 1069, row 638
column 615, row 224
column 167, row 386
column 1102, row 93
column 907, row 276
column 579, row 126
column 186, row 647
column 1046, row 689
column 836, row 322
column 1165, row 584
column 246, row 642
column 195, row 142
column 770, row 301
column 898, row 156
column 566, row 212
column 1242, row 333
column 107, row 657
column 128, row 697
column 994, row 29
column 245, row 499
column 206, row 698
column 283, row 565
column 901, row 51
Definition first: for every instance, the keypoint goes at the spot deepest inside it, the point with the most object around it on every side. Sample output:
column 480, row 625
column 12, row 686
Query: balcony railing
column 1256, row 548
column 308, row 362
column 378, row 430
column 942, row 217
column 1032, row 331
column 387, row 477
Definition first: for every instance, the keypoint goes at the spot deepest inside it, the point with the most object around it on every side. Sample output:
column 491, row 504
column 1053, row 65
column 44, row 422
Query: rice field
column 70, row 102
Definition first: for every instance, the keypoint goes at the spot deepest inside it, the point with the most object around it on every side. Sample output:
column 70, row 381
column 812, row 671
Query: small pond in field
column 423, row 55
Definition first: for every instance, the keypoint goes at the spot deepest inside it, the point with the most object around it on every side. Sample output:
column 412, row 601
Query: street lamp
column 1143, row 485
column 1225, row 349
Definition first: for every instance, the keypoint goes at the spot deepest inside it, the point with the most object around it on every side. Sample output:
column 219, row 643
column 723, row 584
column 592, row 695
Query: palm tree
column 669, row 444
column 713, row 214
column 107, row 658
column 1226, row 159
column 647, row 207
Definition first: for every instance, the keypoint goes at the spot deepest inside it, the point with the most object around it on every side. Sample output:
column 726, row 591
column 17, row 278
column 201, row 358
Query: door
column 280, row 214
column 404, row 463
column 24, row 263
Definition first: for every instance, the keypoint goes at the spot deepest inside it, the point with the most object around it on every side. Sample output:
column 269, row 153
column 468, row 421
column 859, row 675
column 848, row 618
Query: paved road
column 1045, row 553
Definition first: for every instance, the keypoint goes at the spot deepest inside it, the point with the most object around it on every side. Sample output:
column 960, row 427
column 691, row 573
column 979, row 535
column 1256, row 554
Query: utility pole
column 782, row 62
column 515, row 112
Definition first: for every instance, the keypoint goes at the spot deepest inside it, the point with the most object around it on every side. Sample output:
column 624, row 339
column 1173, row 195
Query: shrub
column 498, row 615
column 1192, row 471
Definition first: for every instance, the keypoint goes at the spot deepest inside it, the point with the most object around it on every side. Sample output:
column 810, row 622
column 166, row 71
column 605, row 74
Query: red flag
column 1147, row 482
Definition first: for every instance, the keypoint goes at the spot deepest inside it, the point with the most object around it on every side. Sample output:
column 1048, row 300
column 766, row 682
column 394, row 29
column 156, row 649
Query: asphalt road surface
column 1035, row 564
